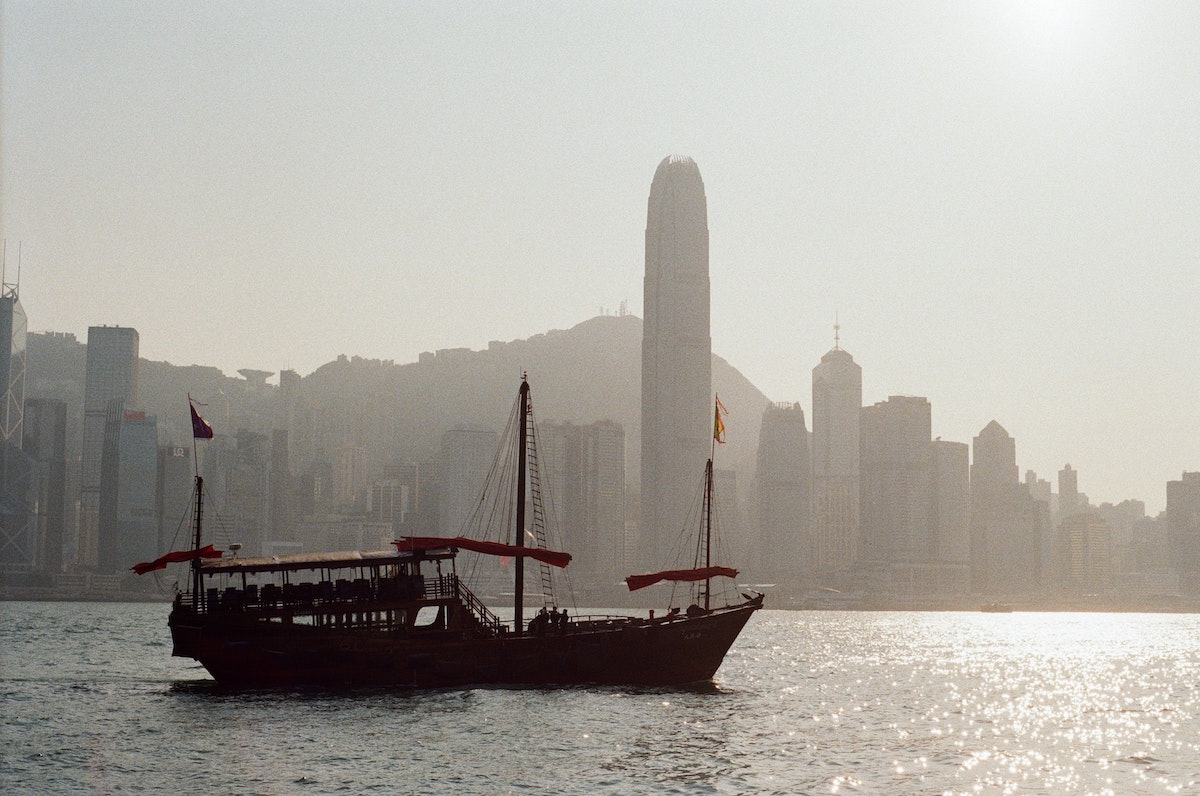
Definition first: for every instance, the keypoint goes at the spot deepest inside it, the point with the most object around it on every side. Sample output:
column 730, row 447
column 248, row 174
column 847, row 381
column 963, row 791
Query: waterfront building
column 836, row 408
column 583, row 467
column 349, row 475
column 950, row 518
column 129, row 510
column 280, row 513
column 247, row 491
column 465, row 459
column 782, row 485
column 18, row 523
column 176, row 497
column 1183, row 527
column 677, row 400
column 1069, row 500
column 1088, row 559
column 388, row 503
column 419, row 484
column 1006, row 546
column 110, row 384
column 45, row 443
column 896, row 540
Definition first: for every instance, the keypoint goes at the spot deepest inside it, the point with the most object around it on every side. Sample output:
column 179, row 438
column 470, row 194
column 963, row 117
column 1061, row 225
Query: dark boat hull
column 678, row 651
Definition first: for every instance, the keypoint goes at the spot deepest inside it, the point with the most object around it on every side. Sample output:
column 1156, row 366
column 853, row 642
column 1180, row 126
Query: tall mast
column 708, row 483
column 196, row 561
column 522, row 443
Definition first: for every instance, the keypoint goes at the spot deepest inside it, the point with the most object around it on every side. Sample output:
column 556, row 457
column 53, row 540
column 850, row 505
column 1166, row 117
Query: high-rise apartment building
column 110, row 382
column 836, row 409
column 782, row 486
column 676, row 353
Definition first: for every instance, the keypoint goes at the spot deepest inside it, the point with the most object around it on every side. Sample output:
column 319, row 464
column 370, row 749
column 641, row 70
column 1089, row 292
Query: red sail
column 635, row 582
column 552, row 557
column 176, row 557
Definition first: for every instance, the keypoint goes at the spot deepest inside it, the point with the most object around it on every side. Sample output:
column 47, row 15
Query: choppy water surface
column 807, row 702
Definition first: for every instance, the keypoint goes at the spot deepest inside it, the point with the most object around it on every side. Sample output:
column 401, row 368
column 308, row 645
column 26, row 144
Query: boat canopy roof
column 342, row 560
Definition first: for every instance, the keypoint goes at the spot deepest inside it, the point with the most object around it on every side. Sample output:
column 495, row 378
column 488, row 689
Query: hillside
column 398, row 412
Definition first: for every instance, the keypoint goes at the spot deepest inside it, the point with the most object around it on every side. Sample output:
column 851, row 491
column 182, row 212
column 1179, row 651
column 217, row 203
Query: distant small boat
column 997, row 608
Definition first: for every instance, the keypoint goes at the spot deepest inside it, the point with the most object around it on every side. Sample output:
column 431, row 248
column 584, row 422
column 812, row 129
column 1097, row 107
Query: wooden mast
column 522, row 443
column 708, row 482
column 196, row 584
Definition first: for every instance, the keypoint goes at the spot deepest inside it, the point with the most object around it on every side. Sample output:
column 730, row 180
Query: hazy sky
column 1000, row 201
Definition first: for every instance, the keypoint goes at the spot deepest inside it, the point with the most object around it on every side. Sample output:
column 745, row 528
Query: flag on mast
column 200, row 427
column 718, row 423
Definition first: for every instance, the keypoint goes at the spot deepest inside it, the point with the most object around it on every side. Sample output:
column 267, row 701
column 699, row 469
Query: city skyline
column 997, row 202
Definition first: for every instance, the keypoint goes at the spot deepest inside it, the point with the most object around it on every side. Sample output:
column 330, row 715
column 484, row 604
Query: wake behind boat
column 406, row 618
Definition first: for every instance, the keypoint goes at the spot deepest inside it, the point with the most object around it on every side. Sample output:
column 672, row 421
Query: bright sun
column 1048, row 23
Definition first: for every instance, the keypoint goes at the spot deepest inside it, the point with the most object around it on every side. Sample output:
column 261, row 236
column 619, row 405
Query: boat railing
column 326, row 595
column 482, row 613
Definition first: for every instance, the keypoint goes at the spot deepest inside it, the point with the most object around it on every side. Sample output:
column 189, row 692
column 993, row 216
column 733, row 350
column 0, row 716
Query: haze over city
column 996, row 201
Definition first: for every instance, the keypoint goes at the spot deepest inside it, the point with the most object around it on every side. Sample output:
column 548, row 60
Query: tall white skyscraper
column 676, row 354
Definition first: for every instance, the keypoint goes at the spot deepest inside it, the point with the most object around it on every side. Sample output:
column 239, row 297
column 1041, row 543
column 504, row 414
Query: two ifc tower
column 677, row 400
column 676, row 353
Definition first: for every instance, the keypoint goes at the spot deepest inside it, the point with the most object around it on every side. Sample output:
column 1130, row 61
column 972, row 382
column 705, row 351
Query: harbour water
column 807, row 702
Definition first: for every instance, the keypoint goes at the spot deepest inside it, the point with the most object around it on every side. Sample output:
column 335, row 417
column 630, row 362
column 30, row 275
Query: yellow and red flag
column 718, row 423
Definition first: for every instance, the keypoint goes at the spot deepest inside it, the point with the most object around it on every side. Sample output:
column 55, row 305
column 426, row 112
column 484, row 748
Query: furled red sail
column 552, row 557
column 176, row 557
column 635, row 582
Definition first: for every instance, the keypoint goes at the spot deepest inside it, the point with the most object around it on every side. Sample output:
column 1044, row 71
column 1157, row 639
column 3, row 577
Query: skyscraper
column 465, row 458
column 676, row 354
column 110, row 379
column 897, row 493
column 1183, row 528
column 175, row 503
column 1069, row 501
column 1088, row 552
column 1006, row 545
column 951, row 516
column 782, row 485
column 45, row 442
column 129, row 523
column 248, row 491
column 584, row 468
column 836, row 408
column 18, row 527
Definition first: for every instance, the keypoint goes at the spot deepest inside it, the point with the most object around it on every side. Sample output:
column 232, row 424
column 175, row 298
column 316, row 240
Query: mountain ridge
column 397, row 412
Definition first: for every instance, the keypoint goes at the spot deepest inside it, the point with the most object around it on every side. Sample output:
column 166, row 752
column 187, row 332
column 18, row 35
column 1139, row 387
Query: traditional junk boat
column 404, row 617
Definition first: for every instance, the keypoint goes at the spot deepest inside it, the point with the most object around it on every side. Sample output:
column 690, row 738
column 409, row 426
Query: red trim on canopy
column 552, row 557
column 176, row 557
column 635, row 582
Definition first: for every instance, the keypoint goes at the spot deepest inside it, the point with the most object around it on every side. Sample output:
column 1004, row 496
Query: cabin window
column 427, row 616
